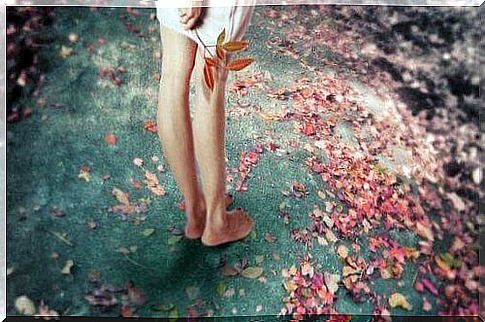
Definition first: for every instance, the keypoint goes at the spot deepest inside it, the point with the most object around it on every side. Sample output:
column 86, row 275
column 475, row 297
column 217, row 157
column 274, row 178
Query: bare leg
column 209, row 127
column 174, row 126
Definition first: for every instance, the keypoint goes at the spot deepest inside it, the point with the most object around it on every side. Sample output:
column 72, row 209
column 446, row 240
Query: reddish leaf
column 136, row 295
column 430, row 286
column 126, row 311
column 210, row 61
column 27, row 111
column 209, row 77
column 239, row 63
column 150, row 126
column 220, row 53
column 110, row 138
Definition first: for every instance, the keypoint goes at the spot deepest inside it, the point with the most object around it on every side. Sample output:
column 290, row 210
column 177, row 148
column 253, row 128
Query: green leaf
column 147, row 232
column 221, row 288
column 252, row 272
column 163, row 307
column 259, row 259
column 174, row 240
column 173, row 314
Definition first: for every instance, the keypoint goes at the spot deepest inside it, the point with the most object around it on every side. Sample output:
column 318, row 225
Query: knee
column 176, row 69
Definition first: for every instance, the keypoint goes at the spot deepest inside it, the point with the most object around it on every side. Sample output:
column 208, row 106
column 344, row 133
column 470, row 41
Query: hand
column 189, row 17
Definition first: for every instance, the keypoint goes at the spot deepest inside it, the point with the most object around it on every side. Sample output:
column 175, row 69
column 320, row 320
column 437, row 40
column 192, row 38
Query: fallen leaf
column 331, row 280
column 136, row 295
column 426, row 305
column 126, row 311
column 91, row 224
column 399, row 300
column 299, row 189
column 228, row 270
column 65, row 52
column 84, row 173
column 110, row 139
column 252, row 272
column 330, row 236
column 342, row 251
column 24, row 305
column 192, row 292
column 121, row 196
column 307, row 269
column 56, row 212
column 123, row 250
column 229, row 293
column 269, row 238
column 45, row 313
column 424, row 231
column 153, row 184
column 221, row 288
column 148, row 232
column 457, row 202
column 173, row 314
column 174, row 240
column 162, row 307
column 138, row 162
column 150, row 126
column 67, row 267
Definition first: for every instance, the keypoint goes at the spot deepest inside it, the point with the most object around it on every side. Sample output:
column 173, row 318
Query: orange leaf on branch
column 239, row 63
column 210, row 61
column 209, row 76
column 234, row 46
column 220, row 53
column 221, row 38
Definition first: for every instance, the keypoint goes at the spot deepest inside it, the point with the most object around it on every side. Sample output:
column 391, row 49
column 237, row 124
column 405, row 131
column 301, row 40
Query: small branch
column 202, row 42
column 61, row 238
column 136, row 263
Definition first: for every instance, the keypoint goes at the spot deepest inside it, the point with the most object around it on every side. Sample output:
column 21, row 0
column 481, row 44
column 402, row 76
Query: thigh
column 178, row 53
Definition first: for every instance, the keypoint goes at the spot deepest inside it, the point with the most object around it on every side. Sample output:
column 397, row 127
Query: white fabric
column 235, row 18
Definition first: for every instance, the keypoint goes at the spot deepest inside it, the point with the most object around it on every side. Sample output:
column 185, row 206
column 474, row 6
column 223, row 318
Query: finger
column 184, row 20
column 191, row 23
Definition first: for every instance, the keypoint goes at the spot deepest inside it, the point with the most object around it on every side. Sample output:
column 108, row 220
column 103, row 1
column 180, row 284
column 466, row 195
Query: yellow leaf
column 221, row 38
column 67, row 267
column 233, row 46
column 65, row 52
column 343, row 251
column 121, row 196
column 424, row 231
column 24, row 305
column 399, row 300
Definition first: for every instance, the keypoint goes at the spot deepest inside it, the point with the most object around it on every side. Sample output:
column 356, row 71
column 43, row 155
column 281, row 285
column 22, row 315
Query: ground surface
column 305, row 129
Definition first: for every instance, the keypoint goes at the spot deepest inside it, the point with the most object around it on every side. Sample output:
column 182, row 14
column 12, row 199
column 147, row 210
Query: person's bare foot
column 237, row 225
column 196, row 222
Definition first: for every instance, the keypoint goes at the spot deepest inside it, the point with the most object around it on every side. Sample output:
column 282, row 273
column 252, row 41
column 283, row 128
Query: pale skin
column 188, row 144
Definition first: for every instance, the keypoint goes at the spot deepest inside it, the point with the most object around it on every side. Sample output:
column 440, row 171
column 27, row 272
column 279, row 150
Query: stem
column 203, row 44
